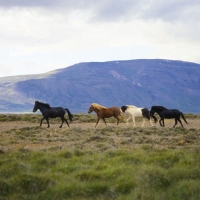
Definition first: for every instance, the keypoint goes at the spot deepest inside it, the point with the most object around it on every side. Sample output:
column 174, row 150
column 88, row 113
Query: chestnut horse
column 103, row 112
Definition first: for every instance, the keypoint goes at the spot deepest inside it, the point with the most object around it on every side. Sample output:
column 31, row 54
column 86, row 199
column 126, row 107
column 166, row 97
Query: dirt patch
column 26, row 136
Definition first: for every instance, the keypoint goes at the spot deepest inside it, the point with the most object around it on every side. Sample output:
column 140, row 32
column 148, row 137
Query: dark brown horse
column 103, row 112
column 52, row 112
column 168, row 114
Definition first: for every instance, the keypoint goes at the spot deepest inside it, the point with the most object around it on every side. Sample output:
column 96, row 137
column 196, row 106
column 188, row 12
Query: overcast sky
column 38, row 36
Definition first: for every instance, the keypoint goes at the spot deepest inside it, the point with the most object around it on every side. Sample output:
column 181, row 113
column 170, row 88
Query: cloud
column 24, row 3
column 52, row 34
column 115, row 10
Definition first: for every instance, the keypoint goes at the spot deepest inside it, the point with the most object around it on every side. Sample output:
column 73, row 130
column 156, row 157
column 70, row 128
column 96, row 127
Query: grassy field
column 81, row 162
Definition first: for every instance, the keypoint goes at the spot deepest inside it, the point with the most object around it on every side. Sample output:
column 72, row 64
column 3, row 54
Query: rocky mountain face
column 143, row 83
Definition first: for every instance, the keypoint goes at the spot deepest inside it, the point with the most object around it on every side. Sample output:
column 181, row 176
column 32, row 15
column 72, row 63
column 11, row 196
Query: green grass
column 103, row 163
column 139, row 174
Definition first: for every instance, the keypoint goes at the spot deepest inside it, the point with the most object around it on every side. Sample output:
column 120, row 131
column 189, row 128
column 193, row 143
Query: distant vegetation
column 104, row 163
column 82, row 118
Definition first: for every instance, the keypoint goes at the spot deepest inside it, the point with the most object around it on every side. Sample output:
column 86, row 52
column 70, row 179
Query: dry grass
column 82, row 135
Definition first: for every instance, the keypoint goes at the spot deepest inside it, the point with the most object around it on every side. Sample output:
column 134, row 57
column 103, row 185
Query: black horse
column 52, row 112
column 168, row 114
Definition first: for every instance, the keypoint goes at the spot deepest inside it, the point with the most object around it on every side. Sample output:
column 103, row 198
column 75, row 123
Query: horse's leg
column 161, row 120
column 133, row 117
column 104, row 121
column 175, row 122
column 117, row 120
column 66, row 122
column 151, row 122
column 97, row 121
column 63, row 119
column 47, row 122
column 42, row 121
column 180, row 122
column 177, row 119
column 129, row 117
column 61, row 125
column 143, row 122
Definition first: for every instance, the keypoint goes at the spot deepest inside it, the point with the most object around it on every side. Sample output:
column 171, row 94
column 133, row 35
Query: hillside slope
column 173, row 84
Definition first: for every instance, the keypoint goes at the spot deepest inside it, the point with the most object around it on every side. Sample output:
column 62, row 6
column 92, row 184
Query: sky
column 39, row 36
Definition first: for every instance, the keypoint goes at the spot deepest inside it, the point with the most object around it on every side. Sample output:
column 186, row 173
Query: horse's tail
column 69, row 114
column 122, row 115
column 184, row 118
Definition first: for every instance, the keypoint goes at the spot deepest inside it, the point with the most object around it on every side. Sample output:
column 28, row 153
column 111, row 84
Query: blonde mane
column 97, row 106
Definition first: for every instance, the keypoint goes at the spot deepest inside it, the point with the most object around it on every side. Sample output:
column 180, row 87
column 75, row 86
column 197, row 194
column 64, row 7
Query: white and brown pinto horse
column 133, row 112
column 103, row 112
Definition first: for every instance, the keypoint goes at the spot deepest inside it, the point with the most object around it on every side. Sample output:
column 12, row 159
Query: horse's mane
column 131, row 106
column 160, row 107
column 44, row 104
column 97, row 106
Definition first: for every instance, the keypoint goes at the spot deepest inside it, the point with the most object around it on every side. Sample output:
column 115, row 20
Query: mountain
column 143, row 83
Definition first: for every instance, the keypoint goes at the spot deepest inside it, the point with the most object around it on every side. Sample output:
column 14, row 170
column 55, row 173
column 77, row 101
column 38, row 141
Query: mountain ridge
column 141, row 82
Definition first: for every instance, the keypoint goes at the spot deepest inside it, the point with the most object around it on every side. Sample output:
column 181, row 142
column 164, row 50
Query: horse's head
column 91, row 109
column 35, row 108
column 123, row 108
column 95, row 107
